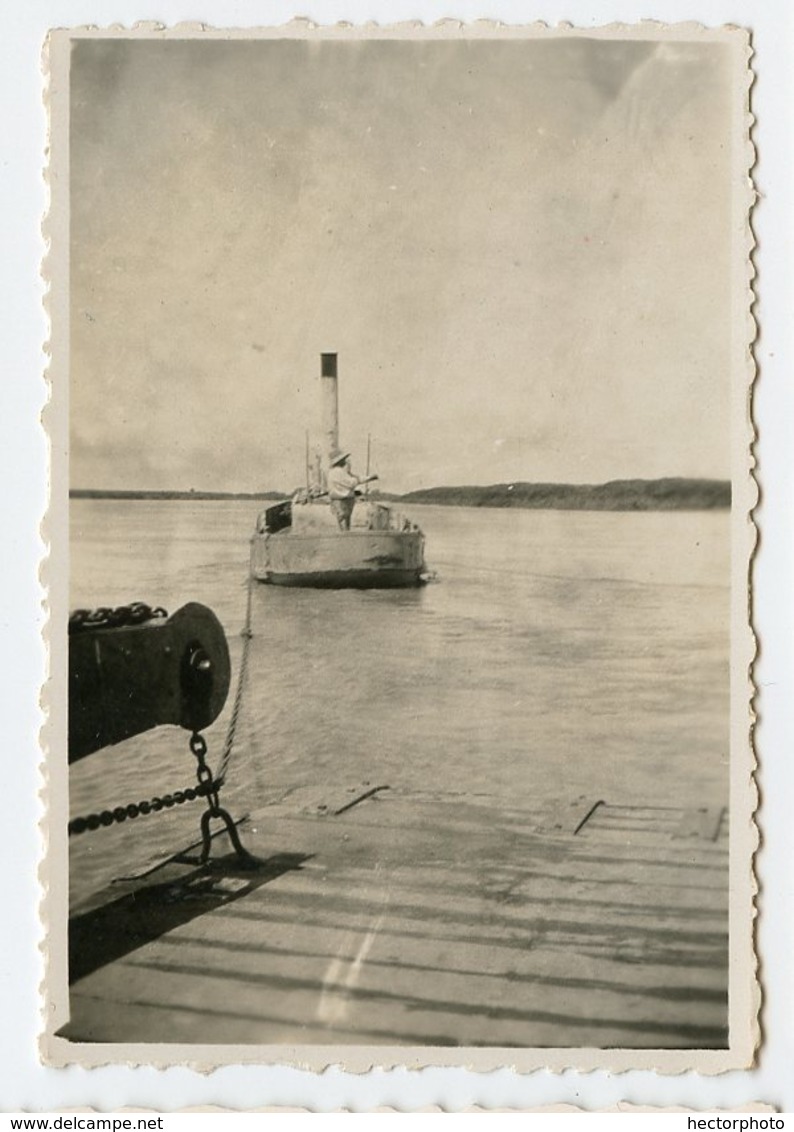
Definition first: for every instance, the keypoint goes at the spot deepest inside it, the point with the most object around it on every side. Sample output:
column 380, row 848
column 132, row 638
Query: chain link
column 205, row 777
column 138, row 809
column 105, row 617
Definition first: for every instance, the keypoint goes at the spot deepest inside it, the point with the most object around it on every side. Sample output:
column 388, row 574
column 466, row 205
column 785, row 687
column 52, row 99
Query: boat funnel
column 330, row 405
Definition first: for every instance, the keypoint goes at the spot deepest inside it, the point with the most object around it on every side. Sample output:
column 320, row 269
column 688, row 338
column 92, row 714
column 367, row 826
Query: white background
column 26, row 1085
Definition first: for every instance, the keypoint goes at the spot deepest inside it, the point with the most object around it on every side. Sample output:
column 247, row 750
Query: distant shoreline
column 112, row 493
column 670, row 494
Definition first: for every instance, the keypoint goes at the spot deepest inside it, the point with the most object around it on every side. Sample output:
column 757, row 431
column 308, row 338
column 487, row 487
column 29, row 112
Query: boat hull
column 356, row 559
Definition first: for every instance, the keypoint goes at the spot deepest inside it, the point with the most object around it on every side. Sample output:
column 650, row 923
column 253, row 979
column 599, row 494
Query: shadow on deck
column 425, row 920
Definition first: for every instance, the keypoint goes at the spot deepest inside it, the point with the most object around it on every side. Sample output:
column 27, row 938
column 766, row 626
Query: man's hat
column 338, row 457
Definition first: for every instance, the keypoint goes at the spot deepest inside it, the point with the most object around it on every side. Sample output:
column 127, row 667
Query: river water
column 555, row 654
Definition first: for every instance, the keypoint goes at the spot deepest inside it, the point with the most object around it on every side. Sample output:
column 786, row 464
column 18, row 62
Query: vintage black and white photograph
column 404, row 377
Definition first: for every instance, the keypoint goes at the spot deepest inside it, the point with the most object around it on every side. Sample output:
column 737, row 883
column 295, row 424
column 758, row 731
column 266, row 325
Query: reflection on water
column 559, row 653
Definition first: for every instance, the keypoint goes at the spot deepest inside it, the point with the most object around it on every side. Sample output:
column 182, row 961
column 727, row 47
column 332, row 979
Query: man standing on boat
column 342, row 486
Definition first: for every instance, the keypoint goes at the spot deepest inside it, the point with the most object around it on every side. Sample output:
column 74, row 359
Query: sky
column 519, row 249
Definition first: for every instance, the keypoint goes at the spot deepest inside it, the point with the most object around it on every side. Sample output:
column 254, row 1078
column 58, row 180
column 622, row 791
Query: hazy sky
column 519, row 249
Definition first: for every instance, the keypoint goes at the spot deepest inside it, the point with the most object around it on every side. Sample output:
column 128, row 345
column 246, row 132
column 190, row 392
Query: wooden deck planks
column 430, row 920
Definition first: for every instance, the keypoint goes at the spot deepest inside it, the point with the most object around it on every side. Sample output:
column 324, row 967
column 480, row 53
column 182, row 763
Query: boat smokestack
column 330, row 404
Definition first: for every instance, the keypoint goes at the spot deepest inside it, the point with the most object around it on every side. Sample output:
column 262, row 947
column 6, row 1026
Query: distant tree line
column 619, row 495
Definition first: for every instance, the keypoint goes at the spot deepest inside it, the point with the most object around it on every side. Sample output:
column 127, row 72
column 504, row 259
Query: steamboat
column 306, row 541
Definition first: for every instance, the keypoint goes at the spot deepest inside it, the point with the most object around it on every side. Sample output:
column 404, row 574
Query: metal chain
column 136, row 809
column 208, row 787
column 208, row 784
column 106, row 617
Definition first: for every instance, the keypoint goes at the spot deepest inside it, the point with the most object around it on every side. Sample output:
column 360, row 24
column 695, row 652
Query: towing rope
column 246, row 634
